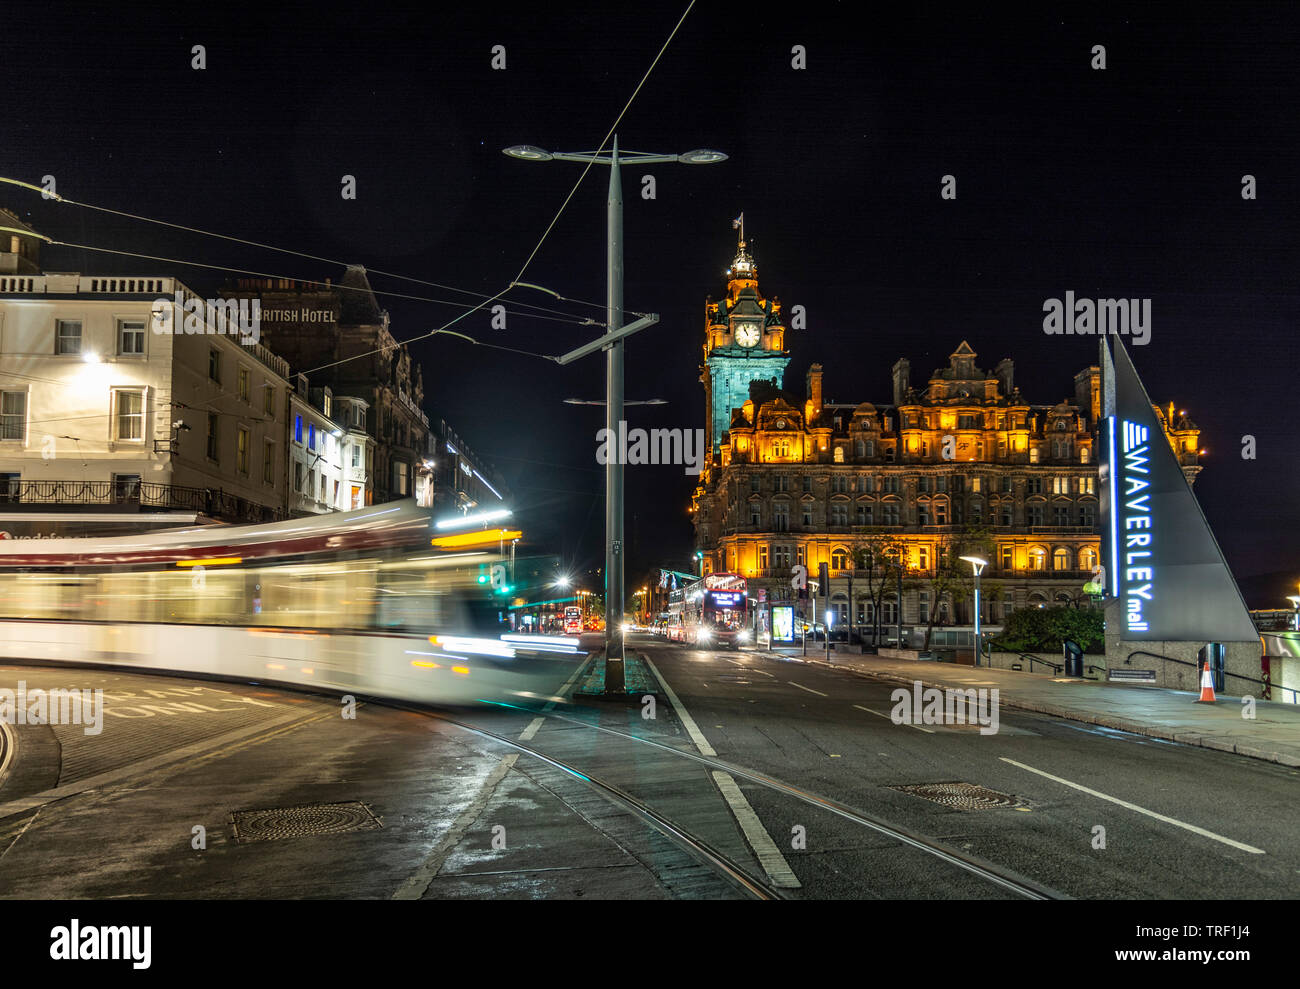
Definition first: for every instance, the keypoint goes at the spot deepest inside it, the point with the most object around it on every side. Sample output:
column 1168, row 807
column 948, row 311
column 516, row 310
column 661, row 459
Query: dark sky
column 1123, row 182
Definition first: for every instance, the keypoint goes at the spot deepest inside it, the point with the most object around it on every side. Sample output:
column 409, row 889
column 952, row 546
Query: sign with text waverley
column 1163, row 563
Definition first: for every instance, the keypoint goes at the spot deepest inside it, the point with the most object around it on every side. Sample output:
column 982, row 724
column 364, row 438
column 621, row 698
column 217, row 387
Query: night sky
column 1117, row 183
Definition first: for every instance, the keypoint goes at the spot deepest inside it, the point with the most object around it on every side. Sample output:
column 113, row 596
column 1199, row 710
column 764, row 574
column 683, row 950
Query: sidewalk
column 1273, row 735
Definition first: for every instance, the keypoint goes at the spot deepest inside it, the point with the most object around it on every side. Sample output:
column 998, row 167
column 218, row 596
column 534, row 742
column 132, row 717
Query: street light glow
column 528, row 153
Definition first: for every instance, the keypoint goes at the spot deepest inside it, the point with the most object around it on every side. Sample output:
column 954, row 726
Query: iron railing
column 214, row 502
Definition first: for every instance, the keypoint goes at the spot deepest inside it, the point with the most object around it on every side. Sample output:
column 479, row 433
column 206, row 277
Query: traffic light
column 824, row 578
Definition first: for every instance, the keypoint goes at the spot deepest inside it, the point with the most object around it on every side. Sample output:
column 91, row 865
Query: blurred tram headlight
column 745, row 635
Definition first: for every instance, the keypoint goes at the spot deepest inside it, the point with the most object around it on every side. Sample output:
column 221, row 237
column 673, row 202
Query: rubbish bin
column 1073, row 659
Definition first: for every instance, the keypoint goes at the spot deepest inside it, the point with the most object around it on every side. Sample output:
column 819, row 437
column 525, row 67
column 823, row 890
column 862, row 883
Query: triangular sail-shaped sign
column 1161, row 559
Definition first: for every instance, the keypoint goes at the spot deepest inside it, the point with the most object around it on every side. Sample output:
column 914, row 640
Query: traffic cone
column 1207, row 686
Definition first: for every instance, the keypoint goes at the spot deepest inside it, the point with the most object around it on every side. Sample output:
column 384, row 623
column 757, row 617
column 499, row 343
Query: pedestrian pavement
column 1273, row 734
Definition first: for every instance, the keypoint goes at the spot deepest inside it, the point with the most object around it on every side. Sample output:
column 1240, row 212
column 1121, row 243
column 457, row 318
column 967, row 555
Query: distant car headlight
column 703, row 635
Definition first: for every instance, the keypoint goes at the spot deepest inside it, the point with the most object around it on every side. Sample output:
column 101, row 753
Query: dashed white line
column 881, row 714
column 769, row 856
column 809, row 689
column 1141, row 810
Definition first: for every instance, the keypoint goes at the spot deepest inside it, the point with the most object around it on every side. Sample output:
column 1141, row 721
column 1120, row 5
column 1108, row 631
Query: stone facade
column 966, row 460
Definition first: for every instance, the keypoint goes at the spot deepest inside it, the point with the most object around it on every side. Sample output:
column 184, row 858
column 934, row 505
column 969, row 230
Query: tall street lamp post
column 614, row 369
column 977, row 564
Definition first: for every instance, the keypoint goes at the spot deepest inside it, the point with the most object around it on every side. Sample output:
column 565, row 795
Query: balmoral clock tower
column 744, row 341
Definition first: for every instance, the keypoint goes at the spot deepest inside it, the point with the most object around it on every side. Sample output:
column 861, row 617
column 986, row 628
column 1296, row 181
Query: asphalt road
column 408, row 804
column 829, row 731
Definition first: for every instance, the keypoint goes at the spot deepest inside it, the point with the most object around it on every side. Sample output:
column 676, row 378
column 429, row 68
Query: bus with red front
column 714, row 612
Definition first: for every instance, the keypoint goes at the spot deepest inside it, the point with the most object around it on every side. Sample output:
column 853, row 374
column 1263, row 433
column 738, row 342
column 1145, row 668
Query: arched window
column 1083, row 454
column 889, row 610
column 839, row 559
column 860, row 449
column 1037, row 600
column 1061, row 559
column 1037, row 558
column 839, row 454
column 1087, row 558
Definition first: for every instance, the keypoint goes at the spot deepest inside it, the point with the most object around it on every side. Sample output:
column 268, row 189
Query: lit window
column 13, row 415
column 130, row 337
column 297, row 429
column 67, row 338
column 129, row 416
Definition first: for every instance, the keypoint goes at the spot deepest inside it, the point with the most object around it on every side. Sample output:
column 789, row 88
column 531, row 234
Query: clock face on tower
column 748, row 334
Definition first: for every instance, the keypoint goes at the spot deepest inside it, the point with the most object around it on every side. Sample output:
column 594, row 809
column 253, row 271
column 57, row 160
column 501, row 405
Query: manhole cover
column 299, row 822
column 961, row 796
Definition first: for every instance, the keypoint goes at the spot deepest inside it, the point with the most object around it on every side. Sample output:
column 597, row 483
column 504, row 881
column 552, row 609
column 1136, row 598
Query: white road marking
column 420, row 880
column 536, row 723
column 769, row 856
column 527, row 734
column 881, row 714
column 688, row 722
column 1141, row 810
column 809, row 689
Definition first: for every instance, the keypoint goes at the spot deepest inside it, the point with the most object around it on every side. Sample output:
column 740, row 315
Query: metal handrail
column 1182, row 662
column 1056, row 667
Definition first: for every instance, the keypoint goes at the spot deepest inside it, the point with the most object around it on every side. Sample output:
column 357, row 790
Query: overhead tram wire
column 311, row 257
column 608, row 135
column 569, row 318
column 445, row 328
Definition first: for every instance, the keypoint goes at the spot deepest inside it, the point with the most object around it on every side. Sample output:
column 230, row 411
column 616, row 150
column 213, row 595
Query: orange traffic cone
column 1207, row 686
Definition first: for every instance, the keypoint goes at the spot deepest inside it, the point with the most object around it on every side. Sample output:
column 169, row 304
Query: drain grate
column 960, row 796
column 300, row 822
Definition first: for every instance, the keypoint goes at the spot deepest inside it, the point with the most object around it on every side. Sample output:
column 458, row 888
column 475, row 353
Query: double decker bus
column 711, row 612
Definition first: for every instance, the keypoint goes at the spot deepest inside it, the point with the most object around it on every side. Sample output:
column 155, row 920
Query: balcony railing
column 128, row 495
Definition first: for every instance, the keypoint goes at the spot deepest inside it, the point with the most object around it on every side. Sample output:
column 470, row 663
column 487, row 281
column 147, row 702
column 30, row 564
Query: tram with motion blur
column 375, row 601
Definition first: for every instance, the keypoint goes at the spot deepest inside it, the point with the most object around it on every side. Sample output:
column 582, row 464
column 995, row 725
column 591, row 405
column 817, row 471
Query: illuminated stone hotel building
column 799, row 480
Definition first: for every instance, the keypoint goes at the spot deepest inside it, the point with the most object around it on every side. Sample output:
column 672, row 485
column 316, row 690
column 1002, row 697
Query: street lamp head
column 701, row 156
column 528, row 153
column 976, row 561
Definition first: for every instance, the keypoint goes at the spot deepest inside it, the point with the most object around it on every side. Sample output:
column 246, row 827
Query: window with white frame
column 67, row 336
column 130, row 337
column 13, row 415
column 128, row 414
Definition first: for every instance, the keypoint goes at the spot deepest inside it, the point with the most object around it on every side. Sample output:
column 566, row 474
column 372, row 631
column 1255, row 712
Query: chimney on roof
column 902, row 380
column 1005, row 373
column 813, row 380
